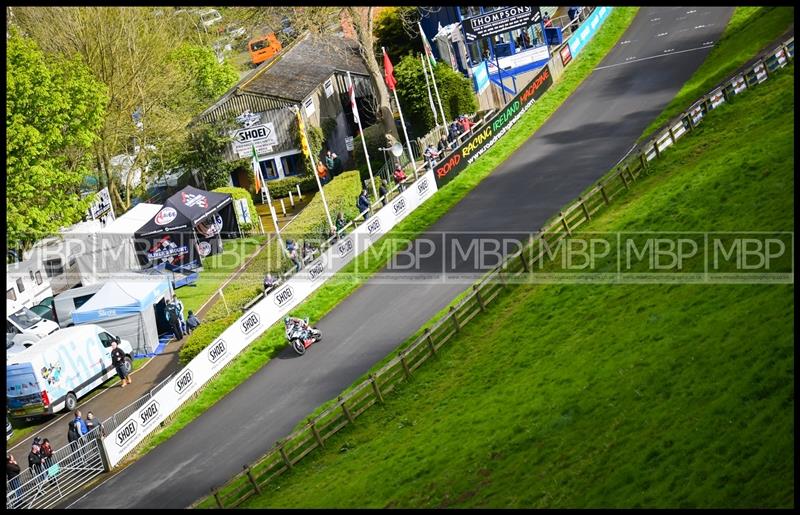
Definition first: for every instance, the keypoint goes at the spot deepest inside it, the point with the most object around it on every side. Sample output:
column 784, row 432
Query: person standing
column 93, row 423
column 322, row 171
column 118, row 360
column 363, row 204
column 174, row 320
column 12, row 473
column 35, row 461
column 73, row 436
column 399, row 177
column 329, row 163
column 179, row 311
column 383, row 191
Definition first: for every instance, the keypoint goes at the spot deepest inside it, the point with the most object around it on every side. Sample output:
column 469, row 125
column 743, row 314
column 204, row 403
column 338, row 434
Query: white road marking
column 706, row 43
column 630, row 58
column 669, row 50
column 625, row 42
column 662, row 34
column 655, row 19
column 692, row 11
column 679, row 18
column 652, row 57
column 699, row 27
column 626, row 155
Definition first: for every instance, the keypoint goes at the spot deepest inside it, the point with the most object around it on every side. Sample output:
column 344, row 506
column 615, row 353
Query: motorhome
column 27, row 283
column 56, row 372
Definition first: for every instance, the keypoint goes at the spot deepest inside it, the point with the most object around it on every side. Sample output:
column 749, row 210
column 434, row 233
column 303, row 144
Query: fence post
column 655, row 146
column 585, row 209
column 405, row 364
column 643, row 160
column 564, row 222
column 299, row 195
column 317, row 437
column 283, row 454
column 478, row 296
column 430, row 341
column 622, row 175
column 672, row 134
column 346, row 411
column 524, row 261
column 454, row 318
column 691, row 121
column 228, row 311
column 291, row 198
column 252, row 479
column 216, row 497
column 376, row 388
column 603, row 193
column 283, row 208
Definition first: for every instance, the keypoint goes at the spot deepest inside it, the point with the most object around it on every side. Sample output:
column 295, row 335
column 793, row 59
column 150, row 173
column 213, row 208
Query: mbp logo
column 399, row 207
column 284, row 296
column 374, row 226
column 127, row 432
column 315, row 270
column 149, row 413
column 217, row 350
column 345, row 247
column 250, row 322
column 191, row 199
column 422, row 186
column 184, row 381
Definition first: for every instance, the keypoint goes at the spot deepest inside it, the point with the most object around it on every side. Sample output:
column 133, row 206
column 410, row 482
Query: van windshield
column 260, row 45
column 25, row 318
column 20, row 380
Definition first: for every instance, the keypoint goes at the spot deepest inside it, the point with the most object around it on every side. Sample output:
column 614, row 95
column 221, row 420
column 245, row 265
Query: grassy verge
column 749, row 31
column 627, row 395
column 347, row 280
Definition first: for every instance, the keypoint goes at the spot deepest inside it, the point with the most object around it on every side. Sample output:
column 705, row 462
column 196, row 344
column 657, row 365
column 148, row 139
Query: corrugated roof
column 305, row 66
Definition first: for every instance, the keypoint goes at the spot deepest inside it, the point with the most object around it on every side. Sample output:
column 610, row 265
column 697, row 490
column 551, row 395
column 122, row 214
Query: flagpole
column 363, row 139
column 430, row 95
column 314, row 165
column 403, row 123
column 257, row 169
column 426, row 44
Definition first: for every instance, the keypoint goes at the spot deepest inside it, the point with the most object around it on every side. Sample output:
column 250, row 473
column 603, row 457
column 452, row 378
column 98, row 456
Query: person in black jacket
column 35, row 461
column 12, row 471
column 118, row 360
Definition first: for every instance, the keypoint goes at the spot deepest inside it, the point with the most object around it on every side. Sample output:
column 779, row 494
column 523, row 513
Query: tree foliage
column 54, row 109
column 455, row 90
column 396, row 30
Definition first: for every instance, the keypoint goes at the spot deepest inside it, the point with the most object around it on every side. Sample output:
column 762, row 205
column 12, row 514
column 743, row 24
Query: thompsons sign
column 500, row 21
column 483, row 139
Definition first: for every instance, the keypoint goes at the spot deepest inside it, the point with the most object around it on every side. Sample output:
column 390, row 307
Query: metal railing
column 350, row 405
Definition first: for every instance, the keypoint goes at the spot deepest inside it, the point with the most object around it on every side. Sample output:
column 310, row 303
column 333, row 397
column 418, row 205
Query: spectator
column 118, row 360
column 179, row 310
column 12, row 473
column 363, row 203
column 337, row 164
column 35, row 461
column 174, row 320
column 340, row 222
column 546, row 19
column 431, row 155
column 322, row 171
column 73, row 436
column 383, row 191
column 399, row 177
column 465, row 123
column 80, row 424
column 572, row 12
column 270, row 283
column 308, row 251
column 331, row 234
column 93, row 423
column 526, row 39
column 291, row 249
column 329, row 162
column 46, row 451
column 192, row 322
column 443, row 145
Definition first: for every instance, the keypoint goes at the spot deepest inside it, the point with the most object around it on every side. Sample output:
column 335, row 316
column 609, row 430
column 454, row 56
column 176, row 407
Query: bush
column 240, row 193
column 281, row 187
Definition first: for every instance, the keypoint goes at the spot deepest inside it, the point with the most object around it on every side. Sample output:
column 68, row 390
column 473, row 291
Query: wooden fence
column 348, row 407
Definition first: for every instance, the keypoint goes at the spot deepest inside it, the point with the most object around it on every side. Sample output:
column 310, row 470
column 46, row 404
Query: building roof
column 304, row 66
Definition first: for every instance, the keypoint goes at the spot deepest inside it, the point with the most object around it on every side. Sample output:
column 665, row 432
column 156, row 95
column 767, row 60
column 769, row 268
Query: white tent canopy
column 111, row 251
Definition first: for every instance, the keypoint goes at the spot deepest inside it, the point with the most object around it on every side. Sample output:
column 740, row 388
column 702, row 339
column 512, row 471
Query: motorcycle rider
column 290, row 321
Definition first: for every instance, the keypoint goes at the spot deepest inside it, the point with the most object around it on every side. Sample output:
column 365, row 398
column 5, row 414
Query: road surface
column 587, row 136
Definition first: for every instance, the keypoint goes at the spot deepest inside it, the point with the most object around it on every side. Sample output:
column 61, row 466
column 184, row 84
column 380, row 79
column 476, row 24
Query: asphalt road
column 590, row 133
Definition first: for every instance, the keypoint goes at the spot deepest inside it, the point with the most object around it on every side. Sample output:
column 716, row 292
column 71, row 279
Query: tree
column 396, row 29
column 207, row 78
column 54, row 109
column 136, row 52
column 455, row 91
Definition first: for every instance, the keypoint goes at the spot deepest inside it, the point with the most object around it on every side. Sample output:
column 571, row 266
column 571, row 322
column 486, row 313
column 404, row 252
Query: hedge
column 280, row 188
column 240, row 193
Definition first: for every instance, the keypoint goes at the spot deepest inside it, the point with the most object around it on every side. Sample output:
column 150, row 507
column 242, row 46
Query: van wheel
column 128, row 365
column 71, row 402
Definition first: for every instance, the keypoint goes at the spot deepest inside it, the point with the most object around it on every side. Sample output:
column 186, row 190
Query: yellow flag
column 303, row 141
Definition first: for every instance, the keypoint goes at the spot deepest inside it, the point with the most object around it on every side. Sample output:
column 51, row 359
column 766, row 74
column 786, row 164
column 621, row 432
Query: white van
column 60, row 369
column 24, row 327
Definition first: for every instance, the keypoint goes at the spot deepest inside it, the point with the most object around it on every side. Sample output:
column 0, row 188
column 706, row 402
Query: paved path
column 591, row 131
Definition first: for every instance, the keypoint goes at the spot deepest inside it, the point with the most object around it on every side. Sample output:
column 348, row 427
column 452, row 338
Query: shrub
column 281, row 187
column 241, row 193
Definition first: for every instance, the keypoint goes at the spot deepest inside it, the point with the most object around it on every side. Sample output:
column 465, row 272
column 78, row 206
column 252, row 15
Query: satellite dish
column 397, row 150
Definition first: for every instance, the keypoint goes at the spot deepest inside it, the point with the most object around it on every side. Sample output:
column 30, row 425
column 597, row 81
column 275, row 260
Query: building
column 517, row 52
column 310, row 74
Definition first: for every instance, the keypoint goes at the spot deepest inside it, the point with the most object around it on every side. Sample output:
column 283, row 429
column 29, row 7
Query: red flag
column 388, row 71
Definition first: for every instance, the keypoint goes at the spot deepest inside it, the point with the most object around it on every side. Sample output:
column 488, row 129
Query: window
column 105, row 339
column 11, row 328
column 291, row 164
column 53, row 267
column 30, row 272
column 11, row 294
column 268, row 170
column 39, row 277
column 20, row 285
column 80, row 301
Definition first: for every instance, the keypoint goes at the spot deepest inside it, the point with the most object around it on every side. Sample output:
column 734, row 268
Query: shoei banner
column 260, row 317
column 487, row 135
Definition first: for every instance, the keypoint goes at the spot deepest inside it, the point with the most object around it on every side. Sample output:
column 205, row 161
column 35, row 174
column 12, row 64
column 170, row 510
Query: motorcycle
column 302, row 336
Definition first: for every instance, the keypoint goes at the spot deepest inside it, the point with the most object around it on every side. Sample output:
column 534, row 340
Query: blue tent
column 126, row 309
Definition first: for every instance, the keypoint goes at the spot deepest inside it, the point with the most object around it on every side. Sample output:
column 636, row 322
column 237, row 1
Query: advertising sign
column 495, row 128
column 566, row 55
column 579, row 39
column 500, row 21
column 102, row 207
column 262, row 136
column 480, row 78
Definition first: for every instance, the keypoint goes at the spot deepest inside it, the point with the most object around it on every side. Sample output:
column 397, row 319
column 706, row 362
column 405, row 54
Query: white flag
column 352, row 92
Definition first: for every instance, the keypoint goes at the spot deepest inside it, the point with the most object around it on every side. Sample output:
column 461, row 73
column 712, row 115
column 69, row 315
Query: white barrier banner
column 261, row 316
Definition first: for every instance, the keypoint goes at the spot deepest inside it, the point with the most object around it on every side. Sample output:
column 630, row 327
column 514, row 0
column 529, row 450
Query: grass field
column 750, row 29
column 346, row 281
column 657, row 395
